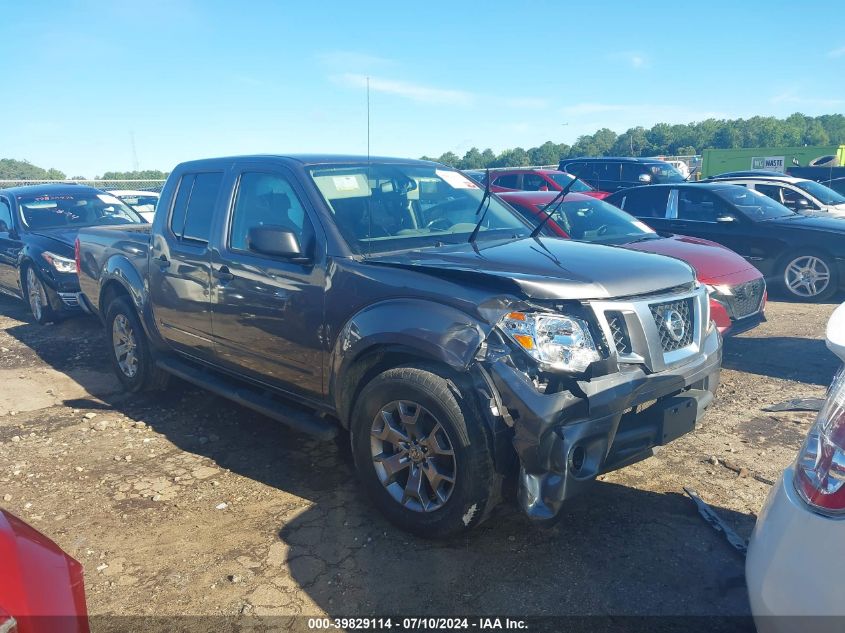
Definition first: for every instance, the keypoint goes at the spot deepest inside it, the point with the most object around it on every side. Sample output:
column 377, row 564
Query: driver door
column 10, row 248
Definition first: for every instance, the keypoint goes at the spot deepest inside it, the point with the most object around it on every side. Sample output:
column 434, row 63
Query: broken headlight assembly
column 555, row 341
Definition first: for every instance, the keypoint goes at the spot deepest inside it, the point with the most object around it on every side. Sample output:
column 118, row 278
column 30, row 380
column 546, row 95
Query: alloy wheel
column 35, row 293
column 125, row 346
column 413, row 456
column 807, row 276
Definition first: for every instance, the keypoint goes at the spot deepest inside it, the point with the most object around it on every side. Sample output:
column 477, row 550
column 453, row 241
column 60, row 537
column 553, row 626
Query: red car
column 526, row 179
column 41, row 587
column 737, row 289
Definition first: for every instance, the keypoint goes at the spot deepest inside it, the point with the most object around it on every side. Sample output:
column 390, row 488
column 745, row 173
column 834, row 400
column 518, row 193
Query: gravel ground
column 182, row 503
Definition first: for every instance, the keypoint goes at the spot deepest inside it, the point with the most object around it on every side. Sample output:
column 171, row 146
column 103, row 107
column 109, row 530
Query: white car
column 795, row 557
column 144, row 202
column 799, row 194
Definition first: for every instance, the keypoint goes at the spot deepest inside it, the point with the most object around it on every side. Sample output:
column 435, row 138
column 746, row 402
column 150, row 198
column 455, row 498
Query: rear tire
column 129, row 349
column 422, row 453
column 809, row 276
column 36, row 296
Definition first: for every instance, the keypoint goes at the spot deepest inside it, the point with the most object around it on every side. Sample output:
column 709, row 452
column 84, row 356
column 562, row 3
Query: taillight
column 76, row 256
column 7, row 623
column 820, row 468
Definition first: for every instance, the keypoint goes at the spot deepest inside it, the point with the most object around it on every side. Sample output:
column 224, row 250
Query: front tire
column 36, row 296
column 422, row 453
column 129, row 348
column 809, row 276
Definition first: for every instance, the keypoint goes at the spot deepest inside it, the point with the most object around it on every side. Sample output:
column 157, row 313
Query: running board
column 271, row 407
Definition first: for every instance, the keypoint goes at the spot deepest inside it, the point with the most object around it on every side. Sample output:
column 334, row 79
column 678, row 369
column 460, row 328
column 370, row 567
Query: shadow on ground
column 790, row 358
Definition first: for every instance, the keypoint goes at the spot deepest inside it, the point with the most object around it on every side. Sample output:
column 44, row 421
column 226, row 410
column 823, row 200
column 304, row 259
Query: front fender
column 423, row 328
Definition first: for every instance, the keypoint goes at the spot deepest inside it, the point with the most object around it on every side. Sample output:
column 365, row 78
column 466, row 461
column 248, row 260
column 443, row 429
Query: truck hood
column 815, row 221
column 545, row 268
column 710, row 260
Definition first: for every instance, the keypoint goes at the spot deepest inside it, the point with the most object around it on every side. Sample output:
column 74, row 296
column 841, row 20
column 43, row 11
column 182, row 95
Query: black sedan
column 804, row 255
column 38, row 226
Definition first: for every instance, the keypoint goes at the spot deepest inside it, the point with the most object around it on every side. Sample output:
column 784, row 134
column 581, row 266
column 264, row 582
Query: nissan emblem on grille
column 674, row 321
column 674, row 324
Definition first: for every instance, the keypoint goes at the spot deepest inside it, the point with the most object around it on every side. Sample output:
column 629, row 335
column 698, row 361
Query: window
column 631, row 172
column 772, row 191
column 606, row 172
column 648, row 202
column 74, row 208
column 533, row 182
column 509, row 181
column 194, row 205
column 699, row 205
column 574, row 168
column 5, row 216
column 266, row 199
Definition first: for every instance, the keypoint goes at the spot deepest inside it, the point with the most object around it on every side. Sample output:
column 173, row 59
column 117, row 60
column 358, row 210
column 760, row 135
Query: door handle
column 224, row 274
column 163, row 262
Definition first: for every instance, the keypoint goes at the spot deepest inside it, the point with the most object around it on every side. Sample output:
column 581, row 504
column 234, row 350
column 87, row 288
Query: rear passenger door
column 267, row 311
column 180, row 265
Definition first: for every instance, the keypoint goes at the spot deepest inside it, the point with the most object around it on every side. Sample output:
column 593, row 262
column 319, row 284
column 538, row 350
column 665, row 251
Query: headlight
column 720, row 290
column 554, row 340
column 61, row 264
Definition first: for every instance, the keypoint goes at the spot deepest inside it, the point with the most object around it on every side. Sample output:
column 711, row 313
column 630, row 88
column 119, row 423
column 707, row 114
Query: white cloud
column 635, row 59
column 353, row 60
column 408, row 90
column 837, row 52
column 790, row 97
column 592, row 108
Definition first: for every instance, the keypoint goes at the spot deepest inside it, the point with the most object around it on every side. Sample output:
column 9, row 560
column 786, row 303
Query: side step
column 295, row 418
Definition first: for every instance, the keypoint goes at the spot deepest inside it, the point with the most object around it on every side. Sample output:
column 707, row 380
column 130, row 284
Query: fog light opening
column 576, row 459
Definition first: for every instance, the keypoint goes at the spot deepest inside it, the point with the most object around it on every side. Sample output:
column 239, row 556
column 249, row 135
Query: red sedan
column 41, row 587
column 737, row 289
column 530, row 179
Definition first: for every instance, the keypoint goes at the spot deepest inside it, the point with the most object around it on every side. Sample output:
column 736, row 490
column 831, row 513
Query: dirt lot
column 181, row 503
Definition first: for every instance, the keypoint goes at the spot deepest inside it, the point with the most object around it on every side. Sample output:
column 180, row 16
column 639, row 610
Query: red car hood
column 713, row 262
column 38, row 581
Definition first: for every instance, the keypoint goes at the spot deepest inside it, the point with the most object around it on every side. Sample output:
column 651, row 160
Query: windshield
column 823, row 194
column 663, row 173
column 72, row 209
column 386, row 207
column 564, row 179
column 753, row 204
column 597, row 221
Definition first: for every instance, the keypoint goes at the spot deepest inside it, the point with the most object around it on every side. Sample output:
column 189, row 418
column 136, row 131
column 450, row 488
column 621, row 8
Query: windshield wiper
column 484, row 198
column 549, row 211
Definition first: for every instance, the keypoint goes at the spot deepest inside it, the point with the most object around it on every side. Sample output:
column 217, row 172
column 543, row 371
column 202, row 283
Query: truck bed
column 101, row 247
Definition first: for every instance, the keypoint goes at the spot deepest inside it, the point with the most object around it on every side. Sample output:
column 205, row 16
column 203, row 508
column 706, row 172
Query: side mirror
column 726, row 219
column 645, row 178
column 276, row 241
column 836, row 332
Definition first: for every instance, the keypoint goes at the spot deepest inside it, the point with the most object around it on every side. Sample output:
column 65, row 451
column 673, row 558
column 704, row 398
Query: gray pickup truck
column 399, row 302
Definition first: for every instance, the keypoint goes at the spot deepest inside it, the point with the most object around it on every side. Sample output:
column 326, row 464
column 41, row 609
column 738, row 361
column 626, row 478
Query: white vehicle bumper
column 795, row 565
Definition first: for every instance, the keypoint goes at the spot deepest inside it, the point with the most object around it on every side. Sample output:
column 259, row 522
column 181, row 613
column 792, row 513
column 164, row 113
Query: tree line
column 11, row 169
column 666, row 139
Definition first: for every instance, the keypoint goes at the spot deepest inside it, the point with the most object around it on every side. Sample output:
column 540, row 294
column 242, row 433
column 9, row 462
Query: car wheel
column 130, row 352
column 422, row 453
column 809, row 276
column 36, row 296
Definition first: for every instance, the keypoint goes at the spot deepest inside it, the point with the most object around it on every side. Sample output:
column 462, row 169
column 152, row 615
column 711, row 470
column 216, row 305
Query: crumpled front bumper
column 565, row 439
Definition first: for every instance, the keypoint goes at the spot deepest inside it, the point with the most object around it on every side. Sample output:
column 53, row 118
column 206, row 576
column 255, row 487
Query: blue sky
column 201, row 78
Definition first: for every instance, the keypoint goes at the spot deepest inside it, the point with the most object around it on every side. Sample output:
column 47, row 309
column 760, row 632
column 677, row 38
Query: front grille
column 674, row 320
column 747, row 298
column 70, row 299
column 619, row 330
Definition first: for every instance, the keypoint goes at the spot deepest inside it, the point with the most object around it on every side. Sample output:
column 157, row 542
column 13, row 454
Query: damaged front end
column 588, row 387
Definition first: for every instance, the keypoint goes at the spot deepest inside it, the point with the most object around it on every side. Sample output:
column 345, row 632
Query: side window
column 533, row 182
column 193, row 208
column 795, row 200
column 266, row 199
column 510, row 181
column 772, row 191
column 607, row 172
column 574, row 168
column 5, row 216
column 648, row 202
column 699, row 205
column 631, row 172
